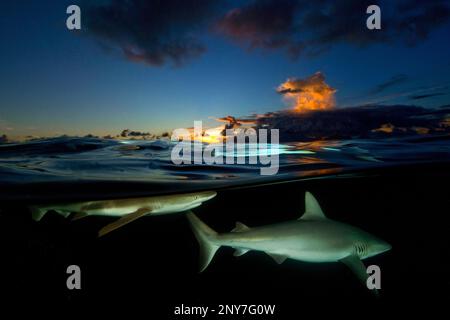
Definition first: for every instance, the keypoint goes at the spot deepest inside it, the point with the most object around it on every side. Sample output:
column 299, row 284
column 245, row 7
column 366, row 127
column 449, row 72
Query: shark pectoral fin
column 65, row 214
column 358, row 268
column 123, row 221
column 312, row 208
column 239, row 252
column 240, row 227
column 37, row 213
column 279, row 258
column 79, row 215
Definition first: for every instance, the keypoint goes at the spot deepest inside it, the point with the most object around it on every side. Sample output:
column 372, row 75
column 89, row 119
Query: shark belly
column 174, row 208
column 112, row 212
column 122, row 207
column 303, row 241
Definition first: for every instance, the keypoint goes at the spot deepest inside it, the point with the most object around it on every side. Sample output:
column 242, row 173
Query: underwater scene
column 225, row 159
column 393, row 189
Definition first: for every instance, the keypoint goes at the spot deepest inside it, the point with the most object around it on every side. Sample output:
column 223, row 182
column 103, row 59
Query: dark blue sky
column 54, row 81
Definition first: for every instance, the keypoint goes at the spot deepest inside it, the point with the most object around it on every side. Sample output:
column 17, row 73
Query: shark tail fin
column 37, row 213
column 205, row 236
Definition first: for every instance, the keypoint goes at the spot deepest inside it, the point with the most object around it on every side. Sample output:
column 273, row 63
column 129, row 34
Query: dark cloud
column 355, row 122
column 391, row 82
column 129, row 133
column 424, row 96
column 311, row 27
column 263, row 24
column 154, row 32
column 236, row 121
column 157, row 32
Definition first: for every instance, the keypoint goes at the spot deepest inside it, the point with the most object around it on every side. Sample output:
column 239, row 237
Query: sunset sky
column 163, row 65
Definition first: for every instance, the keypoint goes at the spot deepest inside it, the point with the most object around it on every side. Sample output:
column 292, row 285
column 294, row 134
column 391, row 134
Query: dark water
column 99, row 168
column 395, row 189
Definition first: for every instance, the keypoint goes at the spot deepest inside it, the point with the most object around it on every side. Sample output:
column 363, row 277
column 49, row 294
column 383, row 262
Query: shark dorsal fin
column 240, row 227
column 312, row 208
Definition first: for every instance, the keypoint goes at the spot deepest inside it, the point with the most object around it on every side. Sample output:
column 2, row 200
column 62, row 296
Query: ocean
column 396, row 189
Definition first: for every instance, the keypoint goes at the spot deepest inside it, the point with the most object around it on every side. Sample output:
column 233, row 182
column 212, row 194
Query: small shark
column 127, row 210
column 311, row 238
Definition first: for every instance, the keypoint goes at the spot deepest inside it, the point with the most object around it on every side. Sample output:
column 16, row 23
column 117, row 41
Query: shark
column 311, row 238
column 127, row 210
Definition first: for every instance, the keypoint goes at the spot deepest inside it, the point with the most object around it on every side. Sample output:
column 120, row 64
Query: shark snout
column 206, row 195
column 382, row 246
column 193, row 200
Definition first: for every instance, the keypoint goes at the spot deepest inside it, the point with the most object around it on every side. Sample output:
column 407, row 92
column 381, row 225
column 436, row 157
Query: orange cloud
column 308, row 94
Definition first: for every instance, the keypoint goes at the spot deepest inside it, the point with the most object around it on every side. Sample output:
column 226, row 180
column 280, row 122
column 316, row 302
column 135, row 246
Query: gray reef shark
column 127, row 210
column 311, row 238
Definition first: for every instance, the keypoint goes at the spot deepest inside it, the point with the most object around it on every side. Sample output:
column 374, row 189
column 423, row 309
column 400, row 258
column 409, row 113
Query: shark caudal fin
column 37, row 213
column 205, row 236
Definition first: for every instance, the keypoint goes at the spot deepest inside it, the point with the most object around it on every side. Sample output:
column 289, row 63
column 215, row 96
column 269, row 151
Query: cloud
column 311, row 93
column 234, row 123
column 312, row 27
column 157, row 32
column 355, row 122
column 424, row 96
column 391, row 82
column 152, row 32
column 5, row 126
column 233, row 120
column 129, row 133
column 263, row 24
